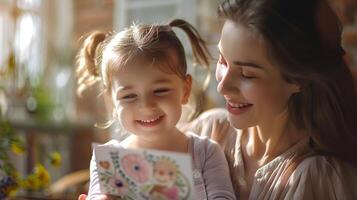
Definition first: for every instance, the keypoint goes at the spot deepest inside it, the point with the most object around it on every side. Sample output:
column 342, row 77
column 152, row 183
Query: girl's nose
column 147, row 104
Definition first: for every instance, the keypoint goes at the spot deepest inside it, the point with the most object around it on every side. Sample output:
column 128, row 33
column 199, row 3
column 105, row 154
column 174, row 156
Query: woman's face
column 254, row 90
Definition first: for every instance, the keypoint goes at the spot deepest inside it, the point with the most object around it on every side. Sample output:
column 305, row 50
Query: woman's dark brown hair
column 303, row 40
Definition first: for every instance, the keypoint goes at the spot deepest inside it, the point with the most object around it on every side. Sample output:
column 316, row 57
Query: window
column 20, row 40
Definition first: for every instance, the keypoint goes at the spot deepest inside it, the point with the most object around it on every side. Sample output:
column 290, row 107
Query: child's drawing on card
column 165, row 174
column 144, row 174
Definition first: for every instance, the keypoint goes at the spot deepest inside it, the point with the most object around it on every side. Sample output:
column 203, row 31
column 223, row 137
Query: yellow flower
column 13, row 192
column 56, row 159
column 17, row 148
column 37, row 180
column 15, row 174
column 42, row 175
column 31, row 183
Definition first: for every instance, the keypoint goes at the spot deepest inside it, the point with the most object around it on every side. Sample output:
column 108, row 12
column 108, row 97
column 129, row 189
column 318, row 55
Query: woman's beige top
column 298, row 173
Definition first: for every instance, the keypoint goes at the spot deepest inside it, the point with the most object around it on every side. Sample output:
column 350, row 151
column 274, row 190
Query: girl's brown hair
column 103, row 54
column 308, row 52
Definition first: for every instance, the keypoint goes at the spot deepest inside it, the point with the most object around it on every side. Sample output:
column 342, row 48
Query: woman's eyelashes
column 246, row 75
column 243, row 73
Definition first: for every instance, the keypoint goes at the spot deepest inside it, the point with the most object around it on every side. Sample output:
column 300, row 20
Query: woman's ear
column 187, row 89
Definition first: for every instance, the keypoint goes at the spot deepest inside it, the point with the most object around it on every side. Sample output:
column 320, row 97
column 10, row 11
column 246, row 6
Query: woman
column 290, row 98
column 289, row 132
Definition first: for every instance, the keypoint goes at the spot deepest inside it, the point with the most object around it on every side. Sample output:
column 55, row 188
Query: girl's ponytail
column 88, row 61
column 200, row 51
column 202, row 57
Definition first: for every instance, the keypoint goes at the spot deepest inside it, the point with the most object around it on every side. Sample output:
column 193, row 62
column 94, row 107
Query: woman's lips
column 238, row 108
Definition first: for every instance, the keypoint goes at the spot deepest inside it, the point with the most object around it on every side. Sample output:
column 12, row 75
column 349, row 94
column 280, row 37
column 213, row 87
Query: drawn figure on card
column 165, row 173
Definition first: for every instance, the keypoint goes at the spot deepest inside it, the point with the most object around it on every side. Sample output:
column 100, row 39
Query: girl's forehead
column 142, row 57
column 143, row 73
column 138, row 64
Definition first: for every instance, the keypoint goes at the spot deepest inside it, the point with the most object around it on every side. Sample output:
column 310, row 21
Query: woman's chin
column 238, row 124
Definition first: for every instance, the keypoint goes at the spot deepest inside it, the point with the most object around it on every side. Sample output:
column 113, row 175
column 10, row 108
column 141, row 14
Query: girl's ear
column 187, row 89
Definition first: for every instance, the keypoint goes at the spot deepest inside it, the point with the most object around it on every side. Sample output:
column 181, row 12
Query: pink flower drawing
column 136, row 167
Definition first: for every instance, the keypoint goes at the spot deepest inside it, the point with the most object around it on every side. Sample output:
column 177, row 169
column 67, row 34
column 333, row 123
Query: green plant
column 10, row 179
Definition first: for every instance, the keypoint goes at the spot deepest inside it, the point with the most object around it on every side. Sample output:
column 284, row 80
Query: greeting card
column 144, row 174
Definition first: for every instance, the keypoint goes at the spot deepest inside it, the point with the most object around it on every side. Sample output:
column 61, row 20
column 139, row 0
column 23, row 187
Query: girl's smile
column 151, row 122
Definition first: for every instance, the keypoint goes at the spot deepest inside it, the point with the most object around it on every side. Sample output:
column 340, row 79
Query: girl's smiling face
column 147, row 100
column 253, row 88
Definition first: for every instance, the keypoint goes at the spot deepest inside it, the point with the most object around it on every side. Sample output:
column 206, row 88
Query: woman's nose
column 226, row 81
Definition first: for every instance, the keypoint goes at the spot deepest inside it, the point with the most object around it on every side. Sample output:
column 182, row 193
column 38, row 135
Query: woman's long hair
column 303, row 40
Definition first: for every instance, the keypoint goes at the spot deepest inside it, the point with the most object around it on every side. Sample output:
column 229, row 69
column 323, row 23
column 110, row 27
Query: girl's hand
column 82, row 197
column 101, row 197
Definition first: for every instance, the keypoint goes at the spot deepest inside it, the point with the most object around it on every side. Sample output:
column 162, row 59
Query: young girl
column 144, row 70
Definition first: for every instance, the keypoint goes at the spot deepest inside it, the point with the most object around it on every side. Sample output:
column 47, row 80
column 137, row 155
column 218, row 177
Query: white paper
column 144, row 174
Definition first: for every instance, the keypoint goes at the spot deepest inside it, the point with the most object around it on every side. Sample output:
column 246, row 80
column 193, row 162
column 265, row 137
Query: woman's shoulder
column 319, row 164
column 208, row 120
column 214, row 124
column 322, row 176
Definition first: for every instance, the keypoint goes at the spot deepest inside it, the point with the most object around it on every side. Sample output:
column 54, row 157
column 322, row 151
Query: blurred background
column 46, row 130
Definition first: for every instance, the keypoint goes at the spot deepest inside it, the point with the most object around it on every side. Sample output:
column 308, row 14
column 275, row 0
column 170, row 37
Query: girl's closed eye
column 162, row 91
column 128, row 98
